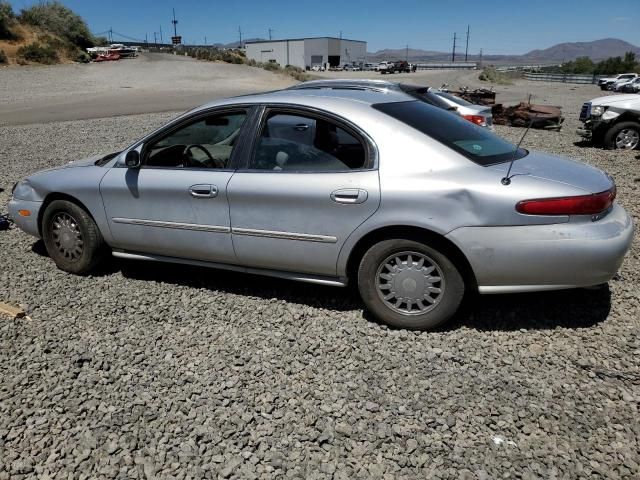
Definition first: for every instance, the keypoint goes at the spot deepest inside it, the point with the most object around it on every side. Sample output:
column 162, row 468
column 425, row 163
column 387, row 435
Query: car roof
column 347, row 83
column 315, row 97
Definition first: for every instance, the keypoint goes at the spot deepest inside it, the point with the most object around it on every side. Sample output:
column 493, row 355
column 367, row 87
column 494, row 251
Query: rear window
column 476, row 143
column 423, row 93
column 454, row 99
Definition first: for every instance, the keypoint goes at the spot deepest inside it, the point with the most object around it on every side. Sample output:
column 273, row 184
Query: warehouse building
column 308, row 52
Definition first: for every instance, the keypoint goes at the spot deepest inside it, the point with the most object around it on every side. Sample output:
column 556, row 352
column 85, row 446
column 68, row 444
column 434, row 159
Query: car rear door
column 176, row 203
column 300, row 196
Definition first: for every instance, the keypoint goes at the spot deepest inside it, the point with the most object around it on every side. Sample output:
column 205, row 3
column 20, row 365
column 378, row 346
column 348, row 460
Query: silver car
column 414, row 205
column 481, row 115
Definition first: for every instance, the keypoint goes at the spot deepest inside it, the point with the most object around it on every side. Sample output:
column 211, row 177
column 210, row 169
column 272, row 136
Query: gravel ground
column 146, row 371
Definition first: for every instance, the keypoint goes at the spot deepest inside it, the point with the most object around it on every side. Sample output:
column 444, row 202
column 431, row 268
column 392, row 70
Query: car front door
column 310, row 181
column 176, row 203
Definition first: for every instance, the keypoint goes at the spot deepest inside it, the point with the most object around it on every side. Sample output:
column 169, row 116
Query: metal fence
column 562, row 77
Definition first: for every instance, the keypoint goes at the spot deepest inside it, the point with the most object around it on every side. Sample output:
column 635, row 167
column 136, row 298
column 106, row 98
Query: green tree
column 7, row 20
column 59, row 20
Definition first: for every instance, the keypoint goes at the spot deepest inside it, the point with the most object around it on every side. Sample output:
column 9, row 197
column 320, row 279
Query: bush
column 59, row 20
column 35, row 52
column 3, row 57
column 492, row 75
column 297, row 73
column 271, row 66
column 7, row 20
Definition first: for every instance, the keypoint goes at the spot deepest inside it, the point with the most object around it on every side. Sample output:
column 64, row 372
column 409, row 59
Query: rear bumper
column 546, row 257
column 27, row 224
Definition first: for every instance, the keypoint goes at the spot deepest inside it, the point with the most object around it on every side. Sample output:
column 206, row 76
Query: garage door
column 316, row 60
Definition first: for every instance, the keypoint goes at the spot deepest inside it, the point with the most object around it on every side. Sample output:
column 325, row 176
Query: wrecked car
column 412, row 204
column 612, row 121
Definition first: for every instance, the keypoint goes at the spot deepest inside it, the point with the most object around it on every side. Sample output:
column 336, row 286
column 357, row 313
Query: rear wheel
column 72, row 238
column 624, row 135
column 410, row 285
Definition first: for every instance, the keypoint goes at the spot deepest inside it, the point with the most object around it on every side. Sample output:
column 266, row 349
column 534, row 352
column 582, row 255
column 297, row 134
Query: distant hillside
column 596, row 50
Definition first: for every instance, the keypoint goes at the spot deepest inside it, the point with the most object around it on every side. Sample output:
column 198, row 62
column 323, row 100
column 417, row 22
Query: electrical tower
column 161, row 40
column 175, row 22
column 453, row 55
column 270, row 32
column 466, row 50
column 240, row 34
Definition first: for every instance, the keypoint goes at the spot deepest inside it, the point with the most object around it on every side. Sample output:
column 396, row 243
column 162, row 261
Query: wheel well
column 413, row 233
column 59, row 196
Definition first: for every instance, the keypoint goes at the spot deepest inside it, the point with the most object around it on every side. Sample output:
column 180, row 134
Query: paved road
column 149, row 83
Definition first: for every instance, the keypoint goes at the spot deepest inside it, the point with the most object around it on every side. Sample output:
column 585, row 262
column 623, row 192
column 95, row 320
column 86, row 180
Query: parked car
column 617, row 85
column 416, row 91
column 479, row 114
column 401, row 66
column 613, row 121
column 384, row 67
column 369, row 66
column 352, row 67
column 631, row 87
column 606, row 83
column 414, row 205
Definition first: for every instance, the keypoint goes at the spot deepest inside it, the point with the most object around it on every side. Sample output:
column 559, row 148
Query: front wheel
column 624, row 135
column 72, row 238
column 410, row 285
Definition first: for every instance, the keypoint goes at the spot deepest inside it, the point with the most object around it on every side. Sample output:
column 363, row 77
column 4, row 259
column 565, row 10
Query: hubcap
column 410, row 283
column 67, row 237
column 627, row 138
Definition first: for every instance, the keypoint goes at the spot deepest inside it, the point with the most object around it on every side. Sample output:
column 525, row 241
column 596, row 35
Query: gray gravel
column 148, row 371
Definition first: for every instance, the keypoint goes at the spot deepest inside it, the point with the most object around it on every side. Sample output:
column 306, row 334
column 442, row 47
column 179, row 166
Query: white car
column 619, row 85
column 606, row 83
column 384, row 66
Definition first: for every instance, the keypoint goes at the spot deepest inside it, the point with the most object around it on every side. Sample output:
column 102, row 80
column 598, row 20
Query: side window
column 298, row 143
column 206, row 143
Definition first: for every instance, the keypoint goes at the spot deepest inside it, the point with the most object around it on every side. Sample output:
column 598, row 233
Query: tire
column 72, row 238
column 623, row 133
column 413, row 316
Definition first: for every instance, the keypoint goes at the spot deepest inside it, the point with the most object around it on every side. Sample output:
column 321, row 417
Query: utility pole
column 175, row 22
column 161, row 40
column 453, row 55
column 155, row 39
column 340, row 34
column 205, row 40
column 146, row 43
column 240, row 33
column 407, row 53
column 480, row 61
column 466, row 51
column 270, row 32
column 110, row 34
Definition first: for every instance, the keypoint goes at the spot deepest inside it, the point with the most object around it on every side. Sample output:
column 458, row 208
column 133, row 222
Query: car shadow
column 575, row 308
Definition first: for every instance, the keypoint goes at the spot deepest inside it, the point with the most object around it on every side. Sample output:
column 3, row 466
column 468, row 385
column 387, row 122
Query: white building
column 308, row 52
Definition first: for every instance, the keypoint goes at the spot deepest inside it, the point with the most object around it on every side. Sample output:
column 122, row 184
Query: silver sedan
column 414, row 205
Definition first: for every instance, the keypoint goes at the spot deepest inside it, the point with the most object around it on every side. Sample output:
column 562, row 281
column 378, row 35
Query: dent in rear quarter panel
column 81, row 183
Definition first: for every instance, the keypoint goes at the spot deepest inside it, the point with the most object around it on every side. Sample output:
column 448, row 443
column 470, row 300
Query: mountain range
column 596, row 50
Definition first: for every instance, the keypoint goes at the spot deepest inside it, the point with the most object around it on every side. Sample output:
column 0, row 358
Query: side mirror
column 132, row 159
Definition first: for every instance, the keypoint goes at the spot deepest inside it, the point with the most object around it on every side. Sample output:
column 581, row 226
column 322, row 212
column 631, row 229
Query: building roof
column 304, row 38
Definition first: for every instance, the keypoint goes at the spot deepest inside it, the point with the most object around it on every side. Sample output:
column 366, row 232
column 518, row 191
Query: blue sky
column 497, row 26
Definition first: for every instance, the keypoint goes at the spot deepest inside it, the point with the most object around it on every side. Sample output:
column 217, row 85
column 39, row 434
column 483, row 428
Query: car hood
column 616, row 99
column 85, row 162
column 560, row 170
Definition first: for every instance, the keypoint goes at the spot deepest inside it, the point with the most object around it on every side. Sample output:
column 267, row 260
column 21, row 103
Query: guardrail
column 562, row 77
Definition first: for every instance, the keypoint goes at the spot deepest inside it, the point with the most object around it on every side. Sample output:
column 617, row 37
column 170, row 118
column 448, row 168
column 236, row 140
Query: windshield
column 476, row 143
column 453, row 98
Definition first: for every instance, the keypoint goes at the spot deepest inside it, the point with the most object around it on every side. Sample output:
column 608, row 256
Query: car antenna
column 506, row 180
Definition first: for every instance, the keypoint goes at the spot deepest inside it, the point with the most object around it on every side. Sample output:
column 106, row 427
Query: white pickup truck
column 612, row 121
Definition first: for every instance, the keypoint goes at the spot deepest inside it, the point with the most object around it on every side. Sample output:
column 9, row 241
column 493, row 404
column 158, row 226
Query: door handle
column 349, row 195
column 203, row 191
column 301, row 127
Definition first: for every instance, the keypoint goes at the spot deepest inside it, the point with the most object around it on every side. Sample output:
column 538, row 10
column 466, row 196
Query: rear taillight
column 477, row 119
column 581, row 205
